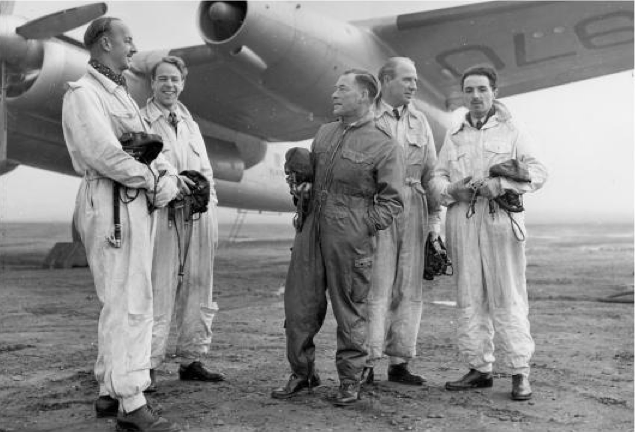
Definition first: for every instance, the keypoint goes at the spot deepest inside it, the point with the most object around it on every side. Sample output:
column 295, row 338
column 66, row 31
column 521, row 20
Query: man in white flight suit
column 485, row 244
column 97, row 110
column 184, row 148
column 395, row 300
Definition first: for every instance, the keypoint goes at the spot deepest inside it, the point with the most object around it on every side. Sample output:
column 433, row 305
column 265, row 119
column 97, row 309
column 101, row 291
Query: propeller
column 61, row 22
column 11, row 42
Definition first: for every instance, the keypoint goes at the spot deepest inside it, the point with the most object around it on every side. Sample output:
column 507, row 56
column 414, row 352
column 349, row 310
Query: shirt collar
column 154, row 111
column 362, row 121
column 117, row 78
column 109, row 85
column 382, row 107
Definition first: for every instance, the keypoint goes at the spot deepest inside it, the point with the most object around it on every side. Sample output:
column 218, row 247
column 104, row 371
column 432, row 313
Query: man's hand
column 491, row 188
column 184, row 184
column 303, row 187
column 167, row 190
column 461, row 190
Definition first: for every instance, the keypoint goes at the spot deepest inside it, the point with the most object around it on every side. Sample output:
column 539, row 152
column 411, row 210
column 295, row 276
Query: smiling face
column 348, row 98
column 401, row 89
column 478, row 95
column 167, row 85
column 119, row 46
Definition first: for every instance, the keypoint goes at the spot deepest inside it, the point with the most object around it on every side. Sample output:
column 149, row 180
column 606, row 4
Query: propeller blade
column 6, row 7
column 60, row 22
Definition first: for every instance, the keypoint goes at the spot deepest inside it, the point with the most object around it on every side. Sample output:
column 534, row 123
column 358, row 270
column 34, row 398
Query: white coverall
column 95, row 113
column 395, row 300
column 489, row 262
column 195, row 309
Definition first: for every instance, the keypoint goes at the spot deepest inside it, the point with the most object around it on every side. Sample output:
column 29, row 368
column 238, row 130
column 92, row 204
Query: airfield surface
column 582, row 371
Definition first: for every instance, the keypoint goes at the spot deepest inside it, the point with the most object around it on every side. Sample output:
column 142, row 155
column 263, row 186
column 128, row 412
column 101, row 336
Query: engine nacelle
column 61, row 63
column 291, row 51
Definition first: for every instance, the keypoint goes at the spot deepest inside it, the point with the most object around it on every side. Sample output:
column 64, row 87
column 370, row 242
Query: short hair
column 366, row 81
column 175, row 61
column 485, row 71
column 389, row 69
column 97, row 29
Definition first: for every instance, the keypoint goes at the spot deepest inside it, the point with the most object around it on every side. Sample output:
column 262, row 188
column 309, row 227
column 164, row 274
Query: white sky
column 585, row 129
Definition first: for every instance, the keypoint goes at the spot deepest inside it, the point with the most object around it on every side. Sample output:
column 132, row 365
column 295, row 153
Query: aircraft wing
column 218, row 91
column 533, row 45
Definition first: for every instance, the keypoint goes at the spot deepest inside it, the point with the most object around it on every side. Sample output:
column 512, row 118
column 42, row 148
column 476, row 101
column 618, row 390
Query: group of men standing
column 375, row 197
column 140, row 284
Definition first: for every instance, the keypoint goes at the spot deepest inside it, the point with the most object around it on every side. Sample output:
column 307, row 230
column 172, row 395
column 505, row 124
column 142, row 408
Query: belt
column 92, row 175
column 416, row 184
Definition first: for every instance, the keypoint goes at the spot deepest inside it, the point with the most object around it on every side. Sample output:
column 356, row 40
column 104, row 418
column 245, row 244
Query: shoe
column 105, row 406
column 471, row 380
column 368, row 375
column 195, row 371
column 152, row 388
column 145, row 420
column 399, row 373
column 348, row 394
column 294, row 385
column 521, row 390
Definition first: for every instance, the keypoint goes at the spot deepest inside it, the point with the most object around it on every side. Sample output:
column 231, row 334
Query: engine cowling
column 61, row 63
column 291, row 51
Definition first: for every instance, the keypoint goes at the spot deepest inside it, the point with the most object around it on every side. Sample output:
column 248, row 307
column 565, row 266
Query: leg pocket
column 360, row 286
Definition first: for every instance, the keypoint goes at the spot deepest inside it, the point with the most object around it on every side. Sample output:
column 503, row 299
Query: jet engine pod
column 219, row 21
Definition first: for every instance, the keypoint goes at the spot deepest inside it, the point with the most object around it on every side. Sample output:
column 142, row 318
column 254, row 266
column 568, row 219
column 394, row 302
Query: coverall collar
column 154, row 111
column 501, row 115
column 362, row 121
column 107, row 83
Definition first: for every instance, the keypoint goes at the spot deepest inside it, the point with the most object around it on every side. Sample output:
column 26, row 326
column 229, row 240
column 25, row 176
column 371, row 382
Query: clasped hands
column 463, row 190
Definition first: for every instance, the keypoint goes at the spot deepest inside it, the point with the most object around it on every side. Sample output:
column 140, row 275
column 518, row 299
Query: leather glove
column 491, row 188
column 461, row 190
column 167, row 190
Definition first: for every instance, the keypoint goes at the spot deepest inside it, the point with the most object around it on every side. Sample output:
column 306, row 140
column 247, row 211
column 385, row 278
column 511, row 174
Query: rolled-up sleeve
column 434, row 205
column 93, row 145
column 388, row 201
column 441, row 178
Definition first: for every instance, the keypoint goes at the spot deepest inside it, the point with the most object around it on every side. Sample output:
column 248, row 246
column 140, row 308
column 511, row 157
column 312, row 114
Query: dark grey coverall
column 356, row 191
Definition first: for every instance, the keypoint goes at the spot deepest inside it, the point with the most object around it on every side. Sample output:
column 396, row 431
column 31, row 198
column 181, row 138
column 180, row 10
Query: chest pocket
column 357, row 157
column 126, row 121
column 497, row 151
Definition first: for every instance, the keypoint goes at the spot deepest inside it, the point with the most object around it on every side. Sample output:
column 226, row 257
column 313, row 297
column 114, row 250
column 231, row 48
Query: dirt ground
column 582, row 371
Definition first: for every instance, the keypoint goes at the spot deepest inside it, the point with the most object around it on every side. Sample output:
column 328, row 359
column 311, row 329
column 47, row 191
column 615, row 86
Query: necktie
column 395, row 111
column 479, row 125
column 172, row 120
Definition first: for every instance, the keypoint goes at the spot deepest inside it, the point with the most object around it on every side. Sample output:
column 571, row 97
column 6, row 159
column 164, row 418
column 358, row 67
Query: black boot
column 473, row 379
column 294, row 385
column 521, row 390
column 399, row 373
column 153, row 382
column 145, row 420
column 195, row 371
column 105, row 406
column 348, row 394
